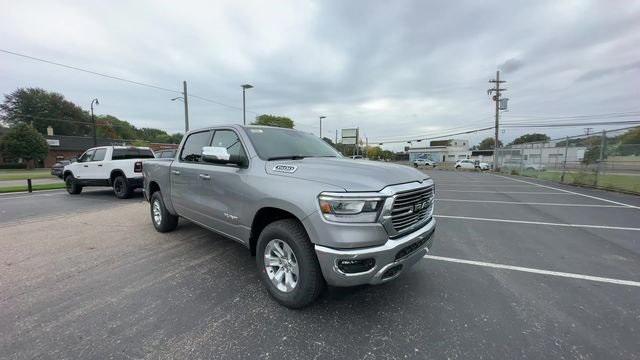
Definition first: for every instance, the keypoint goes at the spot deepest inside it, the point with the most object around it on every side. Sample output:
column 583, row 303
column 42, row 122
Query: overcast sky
column 396, row 69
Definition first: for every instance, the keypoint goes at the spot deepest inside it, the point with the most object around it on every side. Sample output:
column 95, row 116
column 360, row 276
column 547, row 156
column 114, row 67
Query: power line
column 139, row 83
column 434, row 137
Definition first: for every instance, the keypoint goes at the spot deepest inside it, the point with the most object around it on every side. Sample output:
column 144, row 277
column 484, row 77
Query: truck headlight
column 350, row 209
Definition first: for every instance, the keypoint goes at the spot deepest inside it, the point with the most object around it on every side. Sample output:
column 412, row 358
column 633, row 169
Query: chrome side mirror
column 214, row 154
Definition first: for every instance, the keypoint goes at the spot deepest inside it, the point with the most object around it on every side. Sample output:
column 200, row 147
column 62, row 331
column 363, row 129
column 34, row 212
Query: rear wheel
column 288, row 265
column 161, row 218
column 121, row 187
column 72, row 186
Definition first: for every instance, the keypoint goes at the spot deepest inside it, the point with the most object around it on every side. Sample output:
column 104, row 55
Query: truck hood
column 351, row 175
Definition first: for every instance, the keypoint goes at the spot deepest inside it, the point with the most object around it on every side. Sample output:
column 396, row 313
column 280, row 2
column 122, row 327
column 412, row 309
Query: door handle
column 205, row 177
column 175, row 172
column 100, row 165
column 85, row 165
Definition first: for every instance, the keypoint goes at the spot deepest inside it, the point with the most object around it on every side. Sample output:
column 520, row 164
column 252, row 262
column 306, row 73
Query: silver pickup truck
column 312, row 216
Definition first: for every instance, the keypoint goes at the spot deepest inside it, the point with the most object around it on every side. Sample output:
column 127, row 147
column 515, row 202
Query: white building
column 548, row 154
column 450, row 150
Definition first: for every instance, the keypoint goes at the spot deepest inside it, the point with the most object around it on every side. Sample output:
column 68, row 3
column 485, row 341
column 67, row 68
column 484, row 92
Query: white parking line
column 536, row 271
column 533, row 203
column 569, row 192
column 499, row 192
column 539, row 223
column 484, row 184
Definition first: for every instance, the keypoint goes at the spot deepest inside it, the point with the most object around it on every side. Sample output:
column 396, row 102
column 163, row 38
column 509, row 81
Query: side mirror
column 219, row 155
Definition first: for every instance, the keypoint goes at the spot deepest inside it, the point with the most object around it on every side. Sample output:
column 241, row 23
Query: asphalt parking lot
column 519, row 269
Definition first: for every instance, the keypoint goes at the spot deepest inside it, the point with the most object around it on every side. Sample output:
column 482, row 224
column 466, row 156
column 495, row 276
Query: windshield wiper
column 292, row 157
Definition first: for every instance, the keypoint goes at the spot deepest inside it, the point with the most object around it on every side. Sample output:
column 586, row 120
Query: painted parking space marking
column 501, row 192
column 534, row 203
column 539, row 223
column 568, row 191
column 535, row 271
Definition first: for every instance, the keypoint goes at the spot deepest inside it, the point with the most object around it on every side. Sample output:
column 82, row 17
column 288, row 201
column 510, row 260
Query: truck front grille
column 411, row 207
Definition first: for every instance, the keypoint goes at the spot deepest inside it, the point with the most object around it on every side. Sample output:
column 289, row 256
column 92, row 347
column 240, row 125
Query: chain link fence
column 606, row 159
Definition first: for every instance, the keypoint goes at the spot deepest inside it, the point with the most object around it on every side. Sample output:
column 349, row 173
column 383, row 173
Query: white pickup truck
column 119, row 167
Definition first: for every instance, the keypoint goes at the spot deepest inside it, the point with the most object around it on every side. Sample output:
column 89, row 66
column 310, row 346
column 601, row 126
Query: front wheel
column 161, row 218
column 288, row 265
column 72, row 186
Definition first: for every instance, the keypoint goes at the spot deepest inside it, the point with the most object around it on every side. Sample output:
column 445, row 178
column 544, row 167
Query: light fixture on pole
column 244, row 109
column 185, row 100
column 93, row 119
column 321, row 117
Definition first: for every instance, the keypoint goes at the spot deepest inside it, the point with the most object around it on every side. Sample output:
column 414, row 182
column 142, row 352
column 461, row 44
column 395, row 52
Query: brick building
column 62, row 147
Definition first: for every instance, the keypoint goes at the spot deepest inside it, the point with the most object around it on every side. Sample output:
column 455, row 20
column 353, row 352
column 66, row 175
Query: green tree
column 488, row 144
column 629, row 143
column 24, row 142
column 176, row 138
column 527, row 138
column 41, row 109
column 374, row 152
column 273, row 120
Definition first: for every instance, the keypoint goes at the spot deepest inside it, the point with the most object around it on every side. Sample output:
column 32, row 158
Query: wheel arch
column 265, row 216
column 115, row 173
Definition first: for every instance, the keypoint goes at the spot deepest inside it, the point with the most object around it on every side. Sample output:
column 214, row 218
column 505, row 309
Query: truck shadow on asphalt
column 237, row 264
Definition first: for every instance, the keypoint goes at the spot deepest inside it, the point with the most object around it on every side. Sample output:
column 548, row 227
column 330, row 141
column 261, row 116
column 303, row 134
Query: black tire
column 166, row 221
column 415, row 165
column 310, row 281
column 72, row 186
column 458, row 167
column 121, row 187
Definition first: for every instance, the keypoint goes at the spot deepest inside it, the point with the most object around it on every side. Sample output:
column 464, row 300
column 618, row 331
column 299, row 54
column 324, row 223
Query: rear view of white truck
column 119, row 167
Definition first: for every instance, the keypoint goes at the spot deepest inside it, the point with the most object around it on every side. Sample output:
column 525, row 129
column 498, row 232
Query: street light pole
column 93, row 120
column 244, row 109
column 321, row 117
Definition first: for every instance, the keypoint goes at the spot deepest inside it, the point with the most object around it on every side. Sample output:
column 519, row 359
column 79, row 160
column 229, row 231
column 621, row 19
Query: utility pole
column 336, row 139
column 496, row 98
column 587, row 130
column 186, row 107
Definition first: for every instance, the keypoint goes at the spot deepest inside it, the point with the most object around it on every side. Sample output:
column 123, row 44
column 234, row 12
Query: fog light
column 352, row 266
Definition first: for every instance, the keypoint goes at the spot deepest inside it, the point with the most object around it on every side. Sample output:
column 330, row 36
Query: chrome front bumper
column 388, row 264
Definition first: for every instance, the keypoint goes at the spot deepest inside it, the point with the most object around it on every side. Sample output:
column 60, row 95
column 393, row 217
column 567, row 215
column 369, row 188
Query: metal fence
column 608, row 159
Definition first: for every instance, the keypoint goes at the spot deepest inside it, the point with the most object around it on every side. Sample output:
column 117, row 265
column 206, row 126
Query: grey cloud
column 342, row 55
column 607, row 71
column 511, row 65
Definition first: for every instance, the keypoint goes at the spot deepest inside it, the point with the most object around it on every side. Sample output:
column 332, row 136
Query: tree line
column 40, row 109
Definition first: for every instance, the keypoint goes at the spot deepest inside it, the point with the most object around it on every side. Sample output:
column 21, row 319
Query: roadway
column 518, row 270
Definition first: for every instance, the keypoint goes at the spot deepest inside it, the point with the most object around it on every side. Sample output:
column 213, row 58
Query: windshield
column 275, row 143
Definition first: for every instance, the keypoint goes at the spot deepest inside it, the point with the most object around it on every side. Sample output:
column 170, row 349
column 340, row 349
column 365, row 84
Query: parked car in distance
column 482, row 165
column 357, row 157
column 166, row 154
column 424, row 162
column 465, row 164
column 57, row 168
column 119, row 167
column 310, row 216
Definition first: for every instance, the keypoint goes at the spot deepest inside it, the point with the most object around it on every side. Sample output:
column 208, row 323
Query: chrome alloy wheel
column 157, row 213
column 281, row 265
